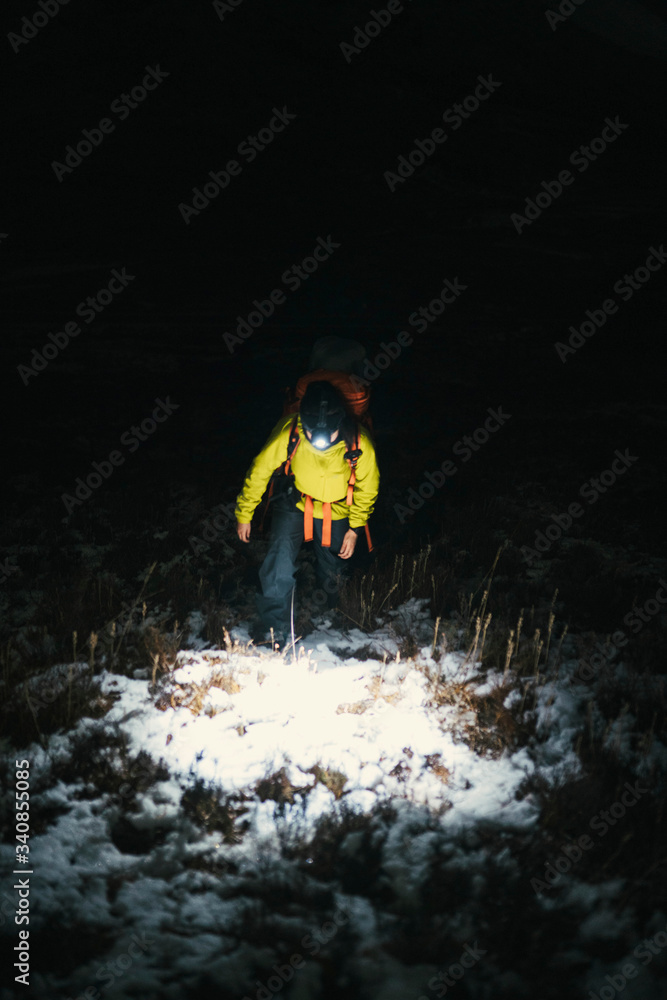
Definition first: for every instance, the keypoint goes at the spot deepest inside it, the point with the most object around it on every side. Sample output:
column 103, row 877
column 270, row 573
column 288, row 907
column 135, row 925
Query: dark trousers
column 278, row 571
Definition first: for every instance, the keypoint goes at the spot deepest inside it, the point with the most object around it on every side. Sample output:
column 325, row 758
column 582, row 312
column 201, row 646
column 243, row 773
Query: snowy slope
column 167, row 904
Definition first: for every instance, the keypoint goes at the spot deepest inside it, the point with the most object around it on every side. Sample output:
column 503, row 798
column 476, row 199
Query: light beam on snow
column 334, row 728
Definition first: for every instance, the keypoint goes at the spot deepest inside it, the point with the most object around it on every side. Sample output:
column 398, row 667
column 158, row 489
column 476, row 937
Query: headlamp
column 324, row 428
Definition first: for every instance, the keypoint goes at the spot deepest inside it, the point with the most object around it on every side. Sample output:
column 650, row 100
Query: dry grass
column 100, row 760
column 36, row 711
column 376, row 688
column 193, row 696
column 435, row 765
column 127, row 611
column 496, row 729
column 334, row 780
column 278, row 788
column 224, row 676
column 319, row 853
column 352, row 708
column 214, row 811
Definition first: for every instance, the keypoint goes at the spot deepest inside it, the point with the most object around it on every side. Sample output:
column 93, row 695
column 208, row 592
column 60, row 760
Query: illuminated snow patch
column 367, row 723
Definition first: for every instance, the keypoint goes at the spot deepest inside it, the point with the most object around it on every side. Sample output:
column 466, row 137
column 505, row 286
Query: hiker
column 328, row 485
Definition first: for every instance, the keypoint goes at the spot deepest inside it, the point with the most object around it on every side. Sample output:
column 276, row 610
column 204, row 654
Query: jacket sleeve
column 366, row 484
column 257, row 477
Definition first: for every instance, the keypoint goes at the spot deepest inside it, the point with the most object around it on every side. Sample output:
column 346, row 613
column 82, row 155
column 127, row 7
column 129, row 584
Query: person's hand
column 243, row 531
column 349, row 541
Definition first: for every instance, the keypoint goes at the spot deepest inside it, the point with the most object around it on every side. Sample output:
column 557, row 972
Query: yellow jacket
column 323, row 475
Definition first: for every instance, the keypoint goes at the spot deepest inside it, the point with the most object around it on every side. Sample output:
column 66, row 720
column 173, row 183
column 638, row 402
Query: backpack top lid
column 337, row 354
column 353, row 392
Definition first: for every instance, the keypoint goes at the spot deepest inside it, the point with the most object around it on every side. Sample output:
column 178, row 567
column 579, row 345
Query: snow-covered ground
column 283, row 743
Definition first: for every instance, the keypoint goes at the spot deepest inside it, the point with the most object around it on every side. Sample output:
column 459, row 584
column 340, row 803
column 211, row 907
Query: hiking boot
column 261, row 636
column 280, row 640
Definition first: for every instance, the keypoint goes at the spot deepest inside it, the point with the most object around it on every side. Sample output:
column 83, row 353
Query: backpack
column 356, row 396
column 355, row 392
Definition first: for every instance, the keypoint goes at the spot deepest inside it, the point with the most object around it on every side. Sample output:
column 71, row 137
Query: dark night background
column 324, row 176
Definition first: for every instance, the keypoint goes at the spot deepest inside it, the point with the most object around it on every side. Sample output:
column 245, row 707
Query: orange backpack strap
column 308, row 522
column 326, row 525
column 352, row 458
column 368, row 538
column 308, row 519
